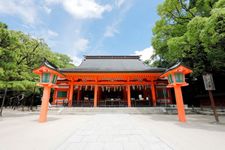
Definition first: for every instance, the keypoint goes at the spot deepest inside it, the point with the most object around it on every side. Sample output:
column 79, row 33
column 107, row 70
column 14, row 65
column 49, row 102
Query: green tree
column 191, row 31
column 19, row 55
column 213, row 38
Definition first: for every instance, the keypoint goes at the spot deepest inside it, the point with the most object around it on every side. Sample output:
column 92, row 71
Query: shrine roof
column 112, row 64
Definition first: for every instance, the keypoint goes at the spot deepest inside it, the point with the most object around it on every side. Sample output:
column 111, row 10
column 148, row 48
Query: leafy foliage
column 192, row 31
column 20, row 54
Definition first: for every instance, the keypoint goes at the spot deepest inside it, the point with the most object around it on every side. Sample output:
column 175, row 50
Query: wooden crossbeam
column 111, row 83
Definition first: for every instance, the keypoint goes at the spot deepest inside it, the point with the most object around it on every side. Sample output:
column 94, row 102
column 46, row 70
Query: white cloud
column 52, row 33
column 47, row 9
column 82, row 9
column 26, row 10
column 119, row 3
column 111, row 31
column 145, row 53
column 46, row 34
column 76, row 60
column 81, row 44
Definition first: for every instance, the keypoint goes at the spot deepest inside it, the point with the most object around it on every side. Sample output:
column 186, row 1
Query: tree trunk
column 32, row 99
column 3, row 100
column 22, row 103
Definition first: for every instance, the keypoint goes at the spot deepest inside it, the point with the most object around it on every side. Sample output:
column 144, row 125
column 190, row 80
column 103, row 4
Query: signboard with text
column 208, row 82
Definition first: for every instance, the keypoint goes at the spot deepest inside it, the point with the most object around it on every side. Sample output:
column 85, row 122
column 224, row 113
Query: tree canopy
column 20, row 54
column 191, row 31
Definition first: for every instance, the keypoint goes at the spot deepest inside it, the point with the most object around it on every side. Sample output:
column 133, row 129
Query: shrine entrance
column 110, row 81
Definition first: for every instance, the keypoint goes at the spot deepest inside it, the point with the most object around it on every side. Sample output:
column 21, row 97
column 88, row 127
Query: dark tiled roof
column 113, row 64
column 49, row 64
column 176, row 66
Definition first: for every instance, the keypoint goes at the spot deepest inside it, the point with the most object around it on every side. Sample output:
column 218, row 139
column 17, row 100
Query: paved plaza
column 109, row 131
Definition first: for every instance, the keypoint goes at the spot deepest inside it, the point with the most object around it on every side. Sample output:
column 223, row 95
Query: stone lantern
column 176, row 79
column 48, row 76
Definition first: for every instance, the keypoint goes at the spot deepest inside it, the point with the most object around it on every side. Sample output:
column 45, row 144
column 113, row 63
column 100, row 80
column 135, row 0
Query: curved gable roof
column 113, row 64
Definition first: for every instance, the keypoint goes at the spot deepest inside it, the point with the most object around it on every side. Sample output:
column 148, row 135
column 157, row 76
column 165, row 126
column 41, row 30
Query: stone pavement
column 105, row 131
column 113, row 132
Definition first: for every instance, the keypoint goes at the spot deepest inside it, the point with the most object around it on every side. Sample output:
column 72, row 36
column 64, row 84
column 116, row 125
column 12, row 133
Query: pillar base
column 154, row 104
column 70, row 105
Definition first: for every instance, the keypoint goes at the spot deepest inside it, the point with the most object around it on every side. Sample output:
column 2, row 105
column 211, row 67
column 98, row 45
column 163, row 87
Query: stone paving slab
column 113, row 132
column 21, row 130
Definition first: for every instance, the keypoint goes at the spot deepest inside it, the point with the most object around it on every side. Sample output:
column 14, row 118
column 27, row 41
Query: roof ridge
column 112, row 57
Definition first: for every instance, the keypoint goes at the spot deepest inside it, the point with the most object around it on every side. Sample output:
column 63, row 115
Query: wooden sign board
column 208, row 82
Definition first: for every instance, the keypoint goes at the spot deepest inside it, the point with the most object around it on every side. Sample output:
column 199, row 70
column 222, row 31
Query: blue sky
column 86, row 27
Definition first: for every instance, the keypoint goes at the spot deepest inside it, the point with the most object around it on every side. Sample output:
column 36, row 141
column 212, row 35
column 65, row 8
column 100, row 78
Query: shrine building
column 103, row 81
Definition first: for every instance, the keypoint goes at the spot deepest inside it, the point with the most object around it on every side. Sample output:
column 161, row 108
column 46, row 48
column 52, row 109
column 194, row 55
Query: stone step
column 92, row 110
column 120, row 110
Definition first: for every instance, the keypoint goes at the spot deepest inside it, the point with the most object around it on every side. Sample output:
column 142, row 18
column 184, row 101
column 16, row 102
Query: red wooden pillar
column 44, row 104
column 78, row 94
column 96, row 96
column 70, row 99
column 54, row 96
column 153, row 94
column 180, row 104
column 128, row 96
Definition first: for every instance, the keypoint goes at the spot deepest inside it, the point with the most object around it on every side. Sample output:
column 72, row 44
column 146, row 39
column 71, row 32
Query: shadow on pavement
column 16, row 114
column 203, row 122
